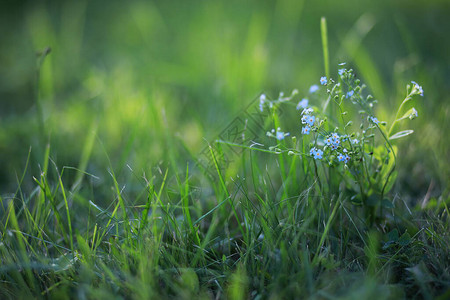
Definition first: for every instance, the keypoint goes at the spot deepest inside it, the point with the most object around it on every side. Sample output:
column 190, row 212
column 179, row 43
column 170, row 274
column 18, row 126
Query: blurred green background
column 132, row 79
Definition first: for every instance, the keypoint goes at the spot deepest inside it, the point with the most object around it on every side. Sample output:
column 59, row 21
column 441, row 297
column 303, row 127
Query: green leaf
column 393, row 235
column 391, row 182
column 406, row 114
column 189, row 280
column 387, row 203
column 83, row 246
column 356, row 199
column 404, row 240
column 388, row 245
column 401, row 134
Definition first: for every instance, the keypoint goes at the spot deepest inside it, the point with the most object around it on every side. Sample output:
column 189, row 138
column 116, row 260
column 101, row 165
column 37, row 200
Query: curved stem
column 398, row 113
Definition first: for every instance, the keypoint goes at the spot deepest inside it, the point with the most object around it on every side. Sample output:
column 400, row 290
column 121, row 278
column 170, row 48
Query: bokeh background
column 127, row 80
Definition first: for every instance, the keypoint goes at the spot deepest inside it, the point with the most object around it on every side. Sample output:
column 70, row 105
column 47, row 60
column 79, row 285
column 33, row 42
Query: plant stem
column 323, row 30
column 398, row 113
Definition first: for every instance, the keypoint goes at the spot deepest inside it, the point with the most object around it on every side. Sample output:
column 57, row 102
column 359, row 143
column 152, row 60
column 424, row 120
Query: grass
column 109, row 201
column 253, row 240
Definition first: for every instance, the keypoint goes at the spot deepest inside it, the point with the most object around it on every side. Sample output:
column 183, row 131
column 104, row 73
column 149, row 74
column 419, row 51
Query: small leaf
column 356, row 199
column 407, row 114
column 393, row 235
column 401, row 134
column 404, row 240
column 189, row 280
column 388, row 245
column 387, row 203
column 391, row 182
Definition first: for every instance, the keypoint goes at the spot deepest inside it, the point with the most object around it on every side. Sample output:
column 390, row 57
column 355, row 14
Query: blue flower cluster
column 316, row 153
column 417, row 89
column 413, row 114
column 308, row 120
column 349, row 94
column 343, row 156
column 262, row 99
column 333, row 141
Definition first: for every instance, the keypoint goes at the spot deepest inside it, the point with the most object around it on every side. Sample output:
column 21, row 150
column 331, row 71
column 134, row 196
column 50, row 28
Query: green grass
column 100, row 193
column 244, row 243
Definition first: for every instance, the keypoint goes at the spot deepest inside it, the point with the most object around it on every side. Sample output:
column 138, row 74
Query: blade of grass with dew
column 325, row 231
column 66, row 205
column 85, row 156
column 41, row 201
column 21, row 242
column 224, row 188
column 185, row 202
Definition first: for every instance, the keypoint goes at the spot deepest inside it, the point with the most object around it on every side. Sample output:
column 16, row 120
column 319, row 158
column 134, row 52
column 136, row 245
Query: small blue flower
column 413, row 114
column 280, row 135
column 333, row 141
column 262, row 99
column 323, row 80
column 374, row 120
column 344, row 150
column 355, row 141
column 307, row 111
column 349, row 94
column 341, row 157
column 314, row 88
column 341, row 72
column 306, row 130
column 417, row 89
column 302, row 104
column 308, row 119
column 318, row 154
column 346, row 158
column 304, row 118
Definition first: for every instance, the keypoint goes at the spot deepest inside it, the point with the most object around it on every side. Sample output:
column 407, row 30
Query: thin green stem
column 398, row 114
column 324, row 33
